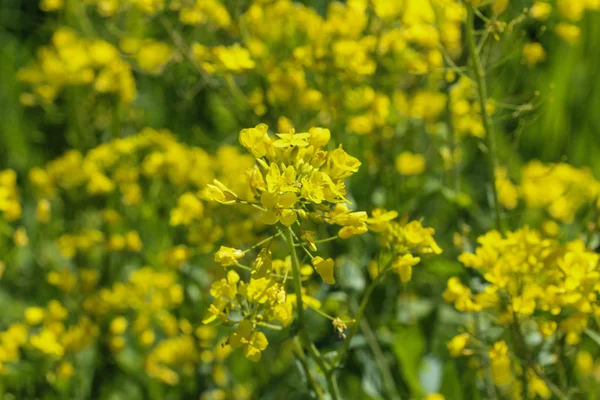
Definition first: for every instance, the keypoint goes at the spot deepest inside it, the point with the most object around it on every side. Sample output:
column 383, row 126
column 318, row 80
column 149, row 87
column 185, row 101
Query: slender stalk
column 361, row 309
column 309, row 376
column 453, row 146
column 296, row 275
column 382, row 364
column 485, row 358
column 490, row 140
column 329, row 239
column 270, row 326
column 556, row 391
column 262, row 242
column 303, row 333
column 116, row 122
column 522, row 346
column 562, row 373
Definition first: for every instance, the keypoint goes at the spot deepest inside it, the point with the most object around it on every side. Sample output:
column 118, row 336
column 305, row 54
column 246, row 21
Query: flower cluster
column 528, row 279
column 297, row 182
column 48, row 332
column 561, row 189
column 295, row 177
column 402, row 239
column 75, row 61
column 294, row 180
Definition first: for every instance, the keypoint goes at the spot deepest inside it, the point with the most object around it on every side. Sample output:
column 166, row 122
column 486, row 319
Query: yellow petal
column 325, row 269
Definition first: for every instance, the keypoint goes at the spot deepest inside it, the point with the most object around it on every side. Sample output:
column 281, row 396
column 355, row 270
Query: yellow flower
column 435, row 396
column 34, row 315
column 20, row 237
column 189, row 208
column 340, row 164
column 571, row 9
column 64, row 370
column 253, row 342
column 117, row 343
column 353, row 223
column 133, row 241
column 263, row 265
column 43, row 211
column 500, row 364
column 256, row 140
column 51, row 5
column 548, row 328
column 540, row 10
column 418, row 237
column 408, row 163
column 319, row 137
column 457, row 345
column 507, row 192
column 585, row 363
column 538, row 385
column 236, row 58
column 147, row 337
column 284, row 124
column 380, row 219
column 550, row 228
column 291, row 139
column 153, row 56
column 47, row 342
column 533, row 53
column 118, row 325
column 325, row 269
column 220, row 193
column 499, row 6
column 569, row 33
column 403, row 266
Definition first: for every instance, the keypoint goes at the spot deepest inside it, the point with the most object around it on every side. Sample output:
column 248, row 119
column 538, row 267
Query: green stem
column 303, row 333
column 453, row 145
column 562, row 373
column 309, row 376
column 116, row 122
column 485, row 358
column 296, row 275
column 363, row 305
column 559, row 394
column 522, row 346
column 490, row 140
column 382, row 364
column 262, row 242
column 329, row 239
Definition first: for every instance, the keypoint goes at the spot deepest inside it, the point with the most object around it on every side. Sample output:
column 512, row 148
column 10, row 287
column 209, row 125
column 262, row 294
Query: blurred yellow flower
column 408, row 163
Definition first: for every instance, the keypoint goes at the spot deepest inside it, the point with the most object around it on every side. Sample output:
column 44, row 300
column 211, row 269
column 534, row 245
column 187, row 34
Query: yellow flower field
column 298, row 199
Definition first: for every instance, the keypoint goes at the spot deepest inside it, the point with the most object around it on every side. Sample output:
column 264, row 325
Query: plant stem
column 382, row 364
column 116, row 122
column 553, row 388
column 522, row 346
column 490, row 140
column 562, row 373
column 309, row 377
column 485, row 358
column 453, row 145
column 303, row 333
column 361, row 309
column 296, row 275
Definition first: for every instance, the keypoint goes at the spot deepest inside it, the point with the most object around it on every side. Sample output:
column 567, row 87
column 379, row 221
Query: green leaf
column 595, row 336
column 408, row 347
column 445, row 268
column 451, row 387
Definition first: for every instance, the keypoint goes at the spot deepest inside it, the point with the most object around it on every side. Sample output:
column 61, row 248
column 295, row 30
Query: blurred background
column 562, row 123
